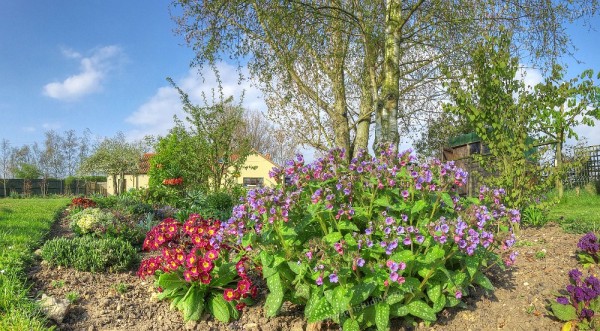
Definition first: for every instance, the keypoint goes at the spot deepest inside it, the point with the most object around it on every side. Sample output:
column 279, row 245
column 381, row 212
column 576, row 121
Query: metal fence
column 43, row 187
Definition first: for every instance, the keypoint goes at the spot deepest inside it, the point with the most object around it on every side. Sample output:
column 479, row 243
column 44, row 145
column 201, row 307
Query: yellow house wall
column 257, row 166
column 131, row 181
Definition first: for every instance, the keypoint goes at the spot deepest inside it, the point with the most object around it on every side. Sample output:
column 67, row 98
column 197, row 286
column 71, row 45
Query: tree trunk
column 559, row 164
column 387, row 109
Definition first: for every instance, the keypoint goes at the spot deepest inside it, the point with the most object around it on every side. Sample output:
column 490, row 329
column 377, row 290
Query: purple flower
column 458, row 294
column 562, row 300
column 319, row 281
column 389, row 220
column 407, row 241
column 360, row 262
column 333, row 278
column 405, row 194
column 309, row 255
column 393, row 276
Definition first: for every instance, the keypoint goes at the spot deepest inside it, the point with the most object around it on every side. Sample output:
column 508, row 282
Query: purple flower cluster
column 589, row 244
column 582, row 291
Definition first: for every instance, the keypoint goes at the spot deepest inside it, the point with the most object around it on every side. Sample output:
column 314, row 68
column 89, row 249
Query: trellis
column 590, row 171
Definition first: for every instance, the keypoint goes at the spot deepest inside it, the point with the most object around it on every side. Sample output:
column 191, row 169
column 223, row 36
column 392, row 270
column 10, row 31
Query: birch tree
column 330, row 69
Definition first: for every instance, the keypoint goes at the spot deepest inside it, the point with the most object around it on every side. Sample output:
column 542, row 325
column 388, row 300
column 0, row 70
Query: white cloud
column 155, row 117
column 93, row 70
column 530, row 76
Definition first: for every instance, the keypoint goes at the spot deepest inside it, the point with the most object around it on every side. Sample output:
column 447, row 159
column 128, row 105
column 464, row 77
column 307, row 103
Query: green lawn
column 577, row 213
column 23, row 225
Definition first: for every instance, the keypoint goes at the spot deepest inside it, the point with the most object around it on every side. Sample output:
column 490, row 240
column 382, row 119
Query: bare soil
column 519, row 302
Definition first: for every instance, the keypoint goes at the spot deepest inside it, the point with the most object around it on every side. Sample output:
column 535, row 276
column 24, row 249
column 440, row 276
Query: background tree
column 330, row 69
column 5, row 155
column 563, row 105
column 115, row 157
column 499, row 108
column 267, row 138
column 215, row 127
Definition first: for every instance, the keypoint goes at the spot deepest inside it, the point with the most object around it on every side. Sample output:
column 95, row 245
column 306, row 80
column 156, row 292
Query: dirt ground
column 124, row 302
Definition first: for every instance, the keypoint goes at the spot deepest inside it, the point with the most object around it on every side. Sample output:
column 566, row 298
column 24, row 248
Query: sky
column 103, row 64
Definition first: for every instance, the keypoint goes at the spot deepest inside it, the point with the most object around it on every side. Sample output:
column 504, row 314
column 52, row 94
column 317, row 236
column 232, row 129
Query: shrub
column 196, row 270
column 90, row 254
column 383, row 230
column 90, row 220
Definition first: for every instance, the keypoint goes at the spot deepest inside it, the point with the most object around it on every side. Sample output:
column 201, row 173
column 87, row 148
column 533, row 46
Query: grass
column 23, row 226
column 577, row 213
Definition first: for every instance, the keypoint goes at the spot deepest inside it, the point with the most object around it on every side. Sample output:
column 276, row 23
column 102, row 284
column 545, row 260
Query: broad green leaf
column 483, row 281
column 360, row 292
column 193, row 304
column 347, row 225
column 275, row 297
column 382, row 316
column 472, row 263
column 340, row 300
column 419, row 205
column 218, row 308
column 302, row 291
column 564, row 313
column 434, row 292
column 403, row 256
column 351, row 325
column 398, row 310
column 266, row 259
column 421, row 310
column 321, row 311
column 332, row 238
column 434, row 254
column 447, row 200
column 440, row 304
column 394, row 296
column 168, row 281
column 382, row 201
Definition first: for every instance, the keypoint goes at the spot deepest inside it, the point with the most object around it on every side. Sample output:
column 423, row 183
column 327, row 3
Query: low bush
column 90, row 254
column 372, row 239
column 90, row 220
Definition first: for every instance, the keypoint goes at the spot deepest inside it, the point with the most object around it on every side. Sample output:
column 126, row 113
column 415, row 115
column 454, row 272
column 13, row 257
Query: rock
column 55, row 309
column 314, row 326
column 191, row 325
column 91, row 328
column 297, row 326
column 250, row 326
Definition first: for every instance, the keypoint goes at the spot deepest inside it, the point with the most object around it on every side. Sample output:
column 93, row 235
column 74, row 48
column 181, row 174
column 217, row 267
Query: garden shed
column 460, row 149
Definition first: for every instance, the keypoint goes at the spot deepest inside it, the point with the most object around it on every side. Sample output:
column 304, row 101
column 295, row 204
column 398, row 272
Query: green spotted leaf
column 382, row 316
column 421, row 310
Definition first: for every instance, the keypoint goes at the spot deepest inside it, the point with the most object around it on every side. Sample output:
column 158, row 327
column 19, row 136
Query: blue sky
column 102, row 65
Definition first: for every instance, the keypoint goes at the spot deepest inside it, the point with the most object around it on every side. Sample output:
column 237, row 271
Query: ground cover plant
column 23, row 224
column 364, row 241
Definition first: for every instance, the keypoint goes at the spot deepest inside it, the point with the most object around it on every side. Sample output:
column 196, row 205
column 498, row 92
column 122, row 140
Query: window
column 253, row 182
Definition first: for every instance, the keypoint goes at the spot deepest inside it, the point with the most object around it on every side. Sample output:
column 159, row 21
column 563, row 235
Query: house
column 254, row 173
column 132, row 181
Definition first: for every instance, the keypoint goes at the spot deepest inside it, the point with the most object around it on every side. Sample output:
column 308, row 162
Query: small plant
column 578, row 309
column 540, row 254
column 73, row 296
column 121, row 288
column 534, row 216
column 90, row 254
column 57, row 283
column 197, row 270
